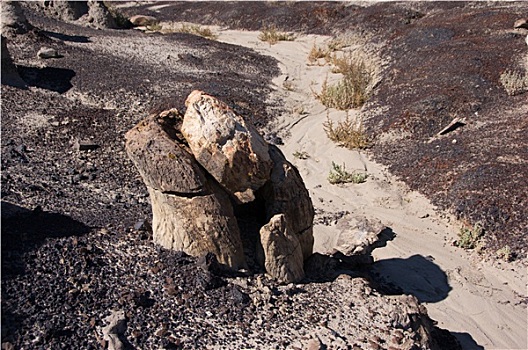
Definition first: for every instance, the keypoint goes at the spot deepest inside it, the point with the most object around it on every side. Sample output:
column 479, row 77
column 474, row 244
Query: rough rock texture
column 286, row 193
column 115, row 329
column 356, row 235
column 91, row 13
column 140, row 20
column 190, row 212
column 283, row 256
column 13, row 20
column 98, row 15
column 226, row 146
column 203, row 169
column 10, row 74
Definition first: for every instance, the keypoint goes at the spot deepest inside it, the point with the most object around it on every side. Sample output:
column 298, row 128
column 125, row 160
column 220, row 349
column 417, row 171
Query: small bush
column 317, row 52
column 339, row 175
column 469, row 237
column 272, row 36
column 505, row 253
column 514, row 83
column 155, row 27
column 301, row 155
column 197, row 30
column 346, row 133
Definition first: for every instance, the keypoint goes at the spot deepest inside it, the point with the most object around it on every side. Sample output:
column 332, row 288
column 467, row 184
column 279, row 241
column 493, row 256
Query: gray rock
column 98, row 15
column 10, row 74
column 356, row 235
column 115, row 329
column 47, row 52
column 13, row 19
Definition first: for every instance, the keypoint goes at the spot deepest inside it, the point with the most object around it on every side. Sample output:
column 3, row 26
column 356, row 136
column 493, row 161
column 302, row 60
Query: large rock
column 13, row 19
column 98, row 15
column 10, row 74
column 226, row 146
column 286, row 193
column 283, row 256
column 190, row 211
column 356, row 235
column 203, row 168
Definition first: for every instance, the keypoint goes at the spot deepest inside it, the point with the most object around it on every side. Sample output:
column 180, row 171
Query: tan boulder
column 142, row 20
column 283, row 256
column 190, row 211
column 226, row 146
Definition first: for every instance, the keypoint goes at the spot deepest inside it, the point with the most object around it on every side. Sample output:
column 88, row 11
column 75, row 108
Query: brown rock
column 190, row 211
column 287, row 194
column 228, row 148
column 283, row 257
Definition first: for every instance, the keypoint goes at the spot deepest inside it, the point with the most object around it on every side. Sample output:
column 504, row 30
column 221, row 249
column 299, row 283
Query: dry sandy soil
column 481, row 301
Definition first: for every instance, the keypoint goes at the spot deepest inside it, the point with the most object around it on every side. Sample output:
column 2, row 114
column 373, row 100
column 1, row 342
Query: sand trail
column 482, row 303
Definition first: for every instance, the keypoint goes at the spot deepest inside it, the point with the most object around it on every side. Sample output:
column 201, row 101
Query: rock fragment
column 47, row 52
column 521, row 23
column 115, row 330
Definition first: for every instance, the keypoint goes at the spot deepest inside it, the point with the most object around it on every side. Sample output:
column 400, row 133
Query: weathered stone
column 286, row 193
column 356, row 235
column 142, row 20
column 10, row 74
column 13, row 19
column 47, row 52
column 228, row 148
column 283, row 256
column 191, row 212
column 98, row 15
column 115, row 330
column 521, row 23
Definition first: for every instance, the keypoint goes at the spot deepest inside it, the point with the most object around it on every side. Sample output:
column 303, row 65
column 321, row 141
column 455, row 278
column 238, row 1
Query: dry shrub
column 271, row 35
column 514, row 82
column 196, row 30
column 352, row 91
column 347, row 133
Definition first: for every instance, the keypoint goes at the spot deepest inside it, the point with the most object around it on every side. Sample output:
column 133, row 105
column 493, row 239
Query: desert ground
column 66, row 211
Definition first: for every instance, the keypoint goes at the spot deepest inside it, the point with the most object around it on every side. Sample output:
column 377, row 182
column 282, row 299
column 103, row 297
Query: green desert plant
column 301, row 155
column 271, row 35
column 350, row 92
column 347, row 133
column 505, row 253
column 339, row 175
column 469, row 237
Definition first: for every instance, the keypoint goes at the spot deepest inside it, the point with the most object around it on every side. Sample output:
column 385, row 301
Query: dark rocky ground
column 70, row 251
column 445, row 60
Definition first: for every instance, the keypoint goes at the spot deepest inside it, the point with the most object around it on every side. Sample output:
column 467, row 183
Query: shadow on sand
column 24, row 229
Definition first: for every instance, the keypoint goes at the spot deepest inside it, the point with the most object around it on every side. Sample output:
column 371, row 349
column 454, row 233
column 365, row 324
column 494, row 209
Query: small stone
column 521, row 23
column 142, row 20
column 48, row 52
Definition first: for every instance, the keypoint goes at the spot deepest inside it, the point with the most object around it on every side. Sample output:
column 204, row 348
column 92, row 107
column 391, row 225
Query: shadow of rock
column 466, row 341
column 49, row 78
column 416, row 275
column 24, row 229
column 66, row 37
